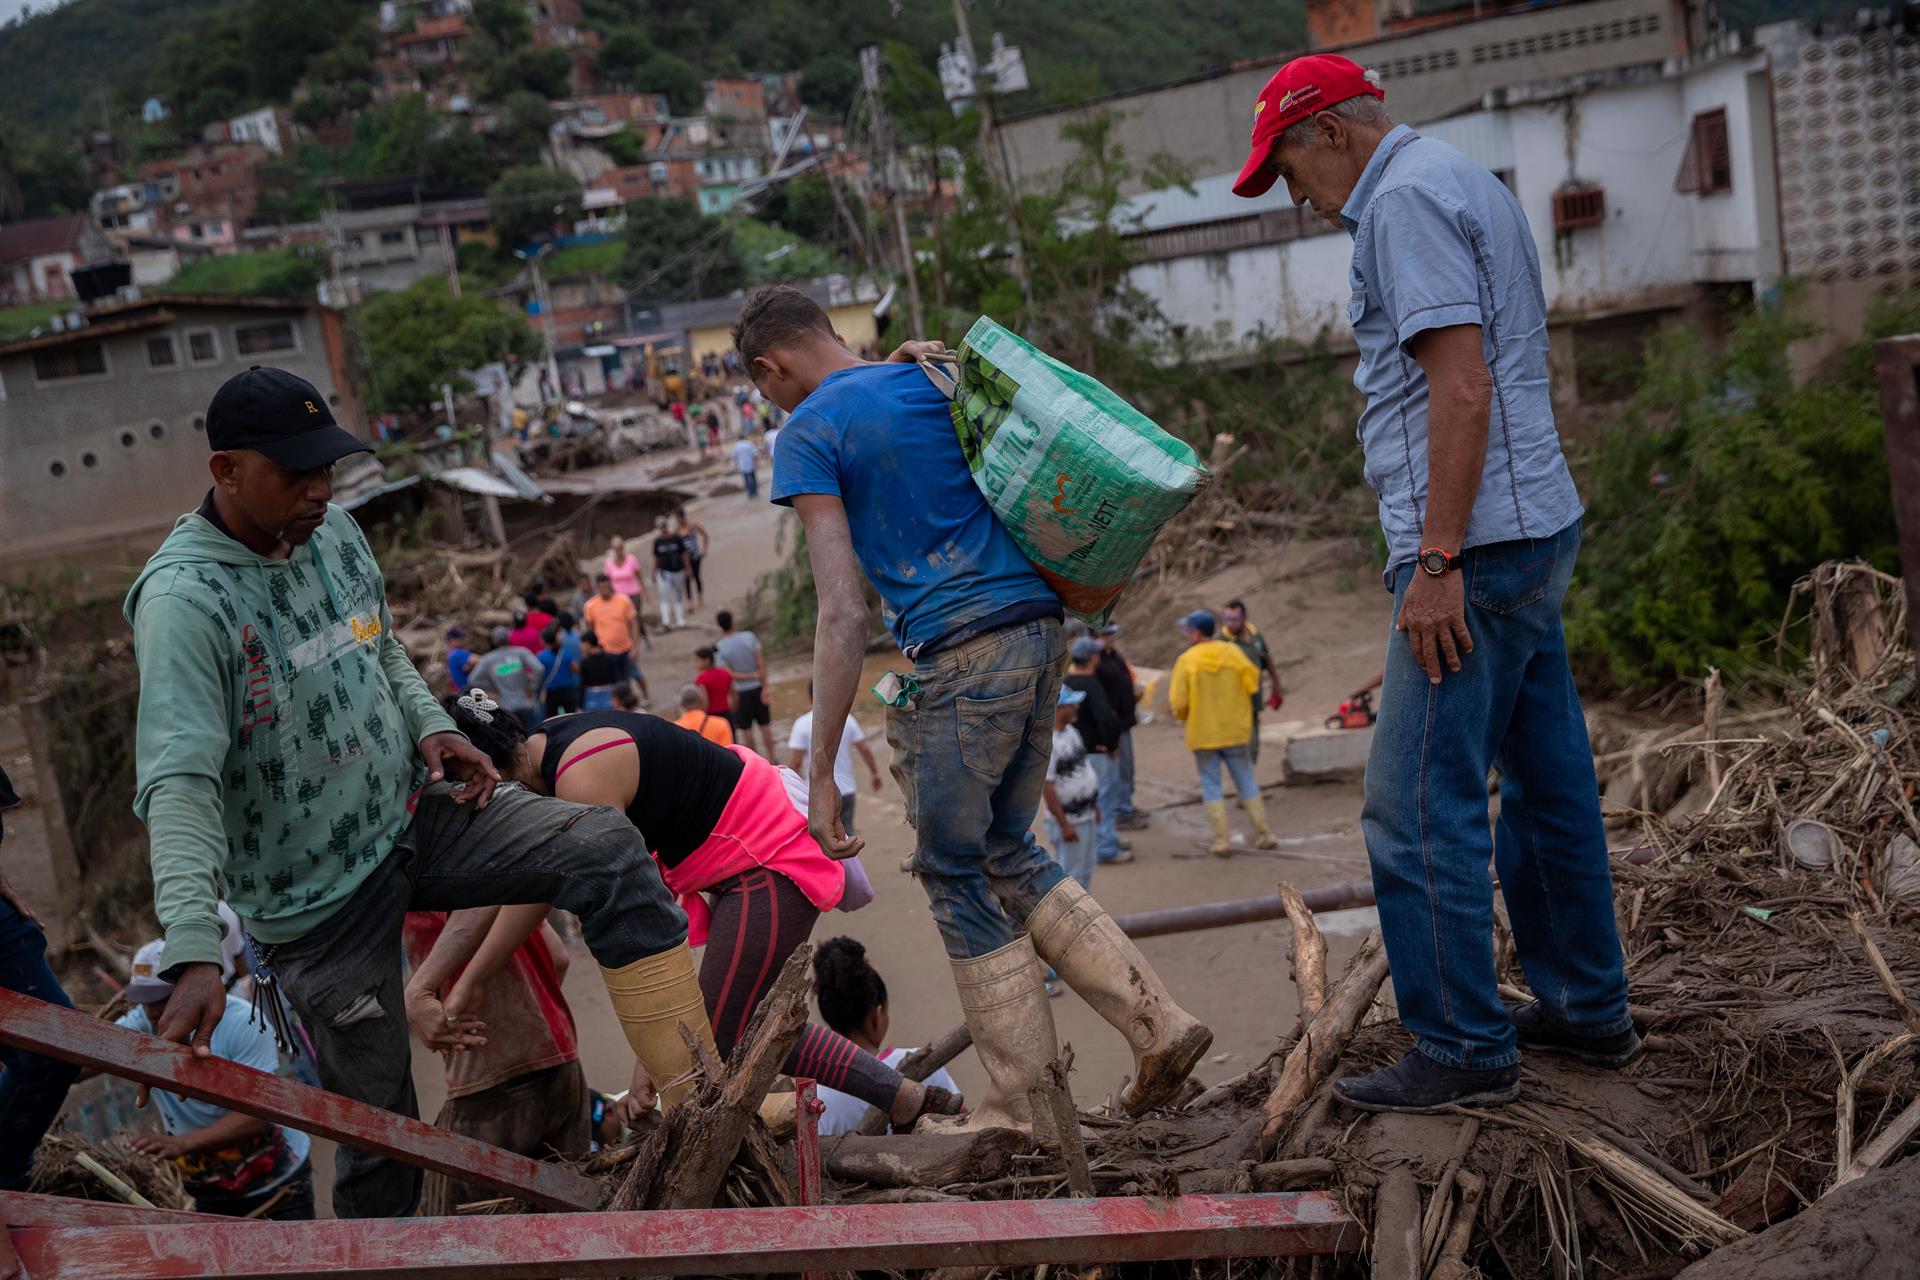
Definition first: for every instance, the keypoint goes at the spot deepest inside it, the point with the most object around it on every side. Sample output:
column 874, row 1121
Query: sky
column 9, row 8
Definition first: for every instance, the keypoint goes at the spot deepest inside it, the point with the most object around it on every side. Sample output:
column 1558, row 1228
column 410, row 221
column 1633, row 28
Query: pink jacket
column 758, row 828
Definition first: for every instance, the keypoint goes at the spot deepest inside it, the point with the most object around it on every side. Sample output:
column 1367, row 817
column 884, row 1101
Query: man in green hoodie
column 290, row 758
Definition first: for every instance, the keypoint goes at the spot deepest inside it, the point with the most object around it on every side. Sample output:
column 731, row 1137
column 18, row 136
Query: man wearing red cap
column 1482, row 526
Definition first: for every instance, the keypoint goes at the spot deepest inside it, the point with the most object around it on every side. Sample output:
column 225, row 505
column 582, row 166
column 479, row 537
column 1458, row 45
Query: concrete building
column 433, row 42
column 722, row 174
column 208, row 193
column 708, row 323
column 271, row 127
column 1429, row 72
column 103, row 428
column 36, row 255
column 122, row 210
column 1605, row 167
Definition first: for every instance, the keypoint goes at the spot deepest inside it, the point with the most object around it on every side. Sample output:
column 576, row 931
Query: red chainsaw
column 1355, row 713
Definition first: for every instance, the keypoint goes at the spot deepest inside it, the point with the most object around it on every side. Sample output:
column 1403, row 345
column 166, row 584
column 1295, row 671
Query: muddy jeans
column 539, row 1114
column 344, row 977
column 970, row 756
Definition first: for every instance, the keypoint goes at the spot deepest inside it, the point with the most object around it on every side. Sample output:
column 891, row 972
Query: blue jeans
column 1075, row 856
column 1512, row 706
column 1106, row 840
column 750, row 481
column 1123, row 787
column 970, row 755
column 32, row 1087
column 1239, row 763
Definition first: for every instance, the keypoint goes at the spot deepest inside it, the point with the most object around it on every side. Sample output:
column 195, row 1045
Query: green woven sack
column 1080, row 478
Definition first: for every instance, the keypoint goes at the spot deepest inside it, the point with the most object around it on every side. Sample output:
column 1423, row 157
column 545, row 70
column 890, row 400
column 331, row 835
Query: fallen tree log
column 1324, row 1040
column 925, row 1159
column 1276, row 1175
column 1308, row 949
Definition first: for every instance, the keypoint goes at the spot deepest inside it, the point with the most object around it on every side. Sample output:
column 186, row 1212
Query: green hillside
column 59, row 65
column 90, row 60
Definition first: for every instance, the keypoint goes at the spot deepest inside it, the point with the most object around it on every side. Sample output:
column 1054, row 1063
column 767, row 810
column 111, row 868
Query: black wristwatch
column 1437, row 562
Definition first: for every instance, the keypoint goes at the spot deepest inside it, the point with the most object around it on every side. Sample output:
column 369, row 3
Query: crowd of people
column 356, row 821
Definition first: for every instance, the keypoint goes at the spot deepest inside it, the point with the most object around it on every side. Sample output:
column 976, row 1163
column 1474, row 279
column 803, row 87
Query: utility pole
column 546, row 310
column 983, row 102
column 883, row 131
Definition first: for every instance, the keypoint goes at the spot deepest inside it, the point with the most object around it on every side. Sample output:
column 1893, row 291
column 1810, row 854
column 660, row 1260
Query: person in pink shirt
column 732, row 842
column 623, row 568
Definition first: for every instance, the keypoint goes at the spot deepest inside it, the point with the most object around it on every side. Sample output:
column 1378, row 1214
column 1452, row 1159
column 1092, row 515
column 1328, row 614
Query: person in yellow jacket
column 1211, row 690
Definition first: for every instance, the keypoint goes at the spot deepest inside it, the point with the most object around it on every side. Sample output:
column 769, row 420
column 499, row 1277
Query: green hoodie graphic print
column 279, row 717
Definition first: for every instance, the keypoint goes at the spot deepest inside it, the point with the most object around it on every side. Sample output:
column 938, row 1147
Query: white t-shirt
column 801, row 739
column 844, row 1111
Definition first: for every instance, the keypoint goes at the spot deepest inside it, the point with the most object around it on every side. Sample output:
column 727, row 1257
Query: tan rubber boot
column 1004, row 1000
column 1257, row 815
column 1222, row 846
column 1104, row 968
column 651, row 997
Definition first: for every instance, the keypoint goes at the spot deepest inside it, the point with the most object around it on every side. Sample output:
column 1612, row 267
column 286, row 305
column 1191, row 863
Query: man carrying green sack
column 871, row 462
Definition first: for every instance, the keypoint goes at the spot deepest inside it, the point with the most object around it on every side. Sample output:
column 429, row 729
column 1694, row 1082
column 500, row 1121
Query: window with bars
column 1576, row 207
column 257, row 339
column 74, row 360
column 1707, row 167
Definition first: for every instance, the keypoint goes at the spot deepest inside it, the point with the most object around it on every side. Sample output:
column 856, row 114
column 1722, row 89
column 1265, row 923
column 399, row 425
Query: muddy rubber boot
column 1104, row 968
column 1222, row 846
column 1257, row 815
column 651, row 997
column 1004, row 1002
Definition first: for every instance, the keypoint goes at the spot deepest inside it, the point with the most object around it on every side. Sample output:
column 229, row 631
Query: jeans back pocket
column 1506, row 577
column 991, row 730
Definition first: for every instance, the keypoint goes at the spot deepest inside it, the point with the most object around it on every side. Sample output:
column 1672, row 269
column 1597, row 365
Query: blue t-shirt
column 255, row 1165
column 559, row 666
column 881, row 438
column 459, row 662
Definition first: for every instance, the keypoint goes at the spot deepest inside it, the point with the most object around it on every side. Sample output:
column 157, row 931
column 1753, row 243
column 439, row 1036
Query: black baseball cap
column 283, row 416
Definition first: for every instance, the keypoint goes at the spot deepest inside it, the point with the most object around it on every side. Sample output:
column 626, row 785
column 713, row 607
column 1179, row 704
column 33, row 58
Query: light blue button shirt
column 1440, row 241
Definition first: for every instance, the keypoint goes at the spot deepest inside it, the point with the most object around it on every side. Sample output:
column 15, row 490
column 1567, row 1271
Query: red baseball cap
column 1302, row 88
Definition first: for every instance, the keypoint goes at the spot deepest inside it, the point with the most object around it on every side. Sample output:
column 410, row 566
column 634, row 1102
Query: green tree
column 504, row 21
column 529, row 200
column 547, row 72
column 412, row 342
column 673, row 251
column 804, row 206
column 1721, row 482
column 623, row 148
column 674, row 76
column 522, row 126
column 829, row 84
column 457, row 160
column 623, row 51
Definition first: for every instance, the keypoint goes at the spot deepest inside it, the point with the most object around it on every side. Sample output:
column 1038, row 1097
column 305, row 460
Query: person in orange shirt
column 615, row 624
column 696, row 717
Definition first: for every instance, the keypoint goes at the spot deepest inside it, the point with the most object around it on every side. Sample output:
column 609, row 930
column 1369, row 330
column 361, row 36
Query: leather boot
column 1004, row 1002
column 1257, row 815
column 1080, row 940
column 651, row 997
column 1222, row 846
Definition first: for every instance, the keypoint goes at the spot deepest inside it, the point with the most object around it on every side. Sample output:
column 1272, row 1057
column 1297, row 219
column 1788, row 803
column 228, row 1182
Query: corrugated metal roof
column 1212, row 201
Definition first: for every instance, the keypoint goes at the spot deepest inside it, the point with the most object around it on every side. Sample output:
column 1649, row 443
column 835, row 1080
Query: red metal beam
column 26, row 1209
column 707, row 1241
column 35, row 1025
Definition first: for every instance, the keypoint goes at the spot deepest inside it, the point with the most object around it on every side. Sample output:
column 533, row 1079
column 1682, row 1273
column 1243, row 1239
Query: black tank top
column 685, row 779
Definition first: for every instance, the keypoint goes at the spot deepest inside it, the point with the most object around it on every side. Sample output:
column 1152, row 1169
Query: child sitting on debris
column 853, row 1001
column 233, row 1164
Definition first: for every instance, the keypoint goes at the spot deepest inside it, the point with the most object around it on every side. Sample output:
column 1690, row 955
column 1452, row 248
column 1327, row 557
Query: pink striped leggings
column 759, row 917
